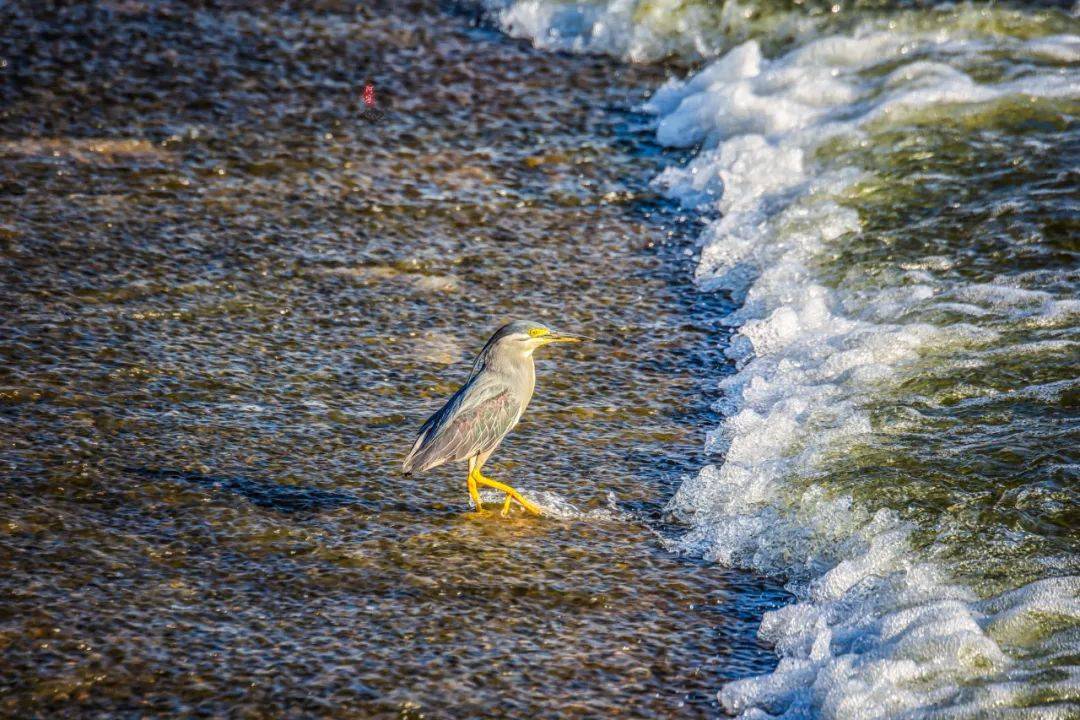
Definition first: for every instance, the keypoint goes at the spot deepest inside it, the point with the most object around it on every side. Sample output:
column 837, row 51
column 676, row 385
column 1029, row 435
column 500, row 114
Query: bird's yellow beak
column 554, row 337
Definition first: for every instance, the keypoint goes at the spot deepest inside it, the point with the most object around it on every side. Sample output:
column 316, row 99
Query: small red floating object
column 370, row 113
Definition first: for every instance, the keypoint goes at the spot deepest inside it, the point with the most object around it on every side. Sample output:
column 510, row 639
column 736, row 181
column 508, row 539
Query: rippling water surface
column 227, row 302
column 830, row 252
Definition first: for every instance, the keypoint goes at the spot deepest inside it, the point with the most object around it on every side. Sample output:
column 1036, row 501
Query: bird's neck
column 519, row 367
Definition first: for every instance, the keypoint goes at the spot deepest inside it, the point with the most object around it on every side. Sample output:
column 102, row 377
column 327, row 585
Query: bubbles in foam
column 876, row 632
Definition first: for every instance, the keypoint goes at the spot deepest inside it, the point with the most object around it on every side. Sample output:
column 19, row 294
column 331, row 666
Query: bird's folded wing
column 474, row 421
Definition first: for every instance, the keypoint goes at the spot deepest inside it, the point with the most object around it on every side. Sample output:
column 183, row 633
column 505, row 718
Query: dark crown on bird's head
column 518, row 327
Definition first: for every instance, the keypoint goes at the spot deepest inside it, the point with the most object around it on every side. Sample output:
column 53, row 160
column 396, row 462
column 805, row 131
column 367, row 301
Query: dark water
column 228, row 301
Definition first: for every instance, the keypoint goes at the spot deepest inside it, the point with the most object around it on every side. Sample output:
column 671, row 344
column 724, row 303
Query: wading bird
column 474, row 421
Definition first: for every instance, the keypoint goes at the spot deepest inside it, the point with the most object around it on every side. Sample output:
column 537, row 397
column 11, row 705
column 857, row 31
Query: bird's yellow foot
column 511, row 493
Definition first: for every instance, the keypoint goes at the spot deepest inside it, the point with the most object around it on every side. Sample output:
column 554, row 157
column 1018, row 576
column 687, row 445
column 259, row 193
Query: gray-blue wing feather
column 473, row 421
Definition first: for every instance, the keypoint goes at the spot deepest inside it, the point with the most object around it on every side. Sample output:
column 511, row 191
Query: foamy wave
column 638, row 31
column 877, row 632
column 649, row 30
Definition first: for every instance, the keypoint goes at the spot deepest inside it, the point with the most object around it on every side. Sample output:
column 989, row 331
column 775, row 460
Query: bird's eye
column 537, row 332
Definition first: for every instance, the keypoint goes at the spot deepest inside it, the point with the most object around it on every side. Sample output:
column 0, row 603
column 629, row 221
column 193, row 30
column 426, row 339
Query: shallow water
column 228, row 302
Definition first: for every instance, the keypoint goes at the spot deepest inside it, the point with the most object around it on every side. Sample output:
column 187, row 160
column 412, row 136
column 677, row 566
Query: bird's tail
column 408, row 465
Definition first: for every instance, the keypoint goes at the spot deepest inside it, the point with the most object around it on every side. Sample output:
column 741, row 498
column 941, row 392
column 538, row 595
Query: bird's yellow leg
column 506, row 505
column 510, row 493
column 474, row 493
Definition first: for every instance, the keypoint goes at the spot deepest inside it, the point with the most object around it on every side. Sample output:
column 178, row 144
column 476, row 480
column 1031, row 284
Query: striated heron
column 474, row 421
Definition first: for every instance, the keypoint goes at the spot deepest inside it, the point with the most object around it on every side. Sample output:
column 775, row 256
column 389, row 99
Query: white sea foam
column 635, row 30
column 877, row 630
